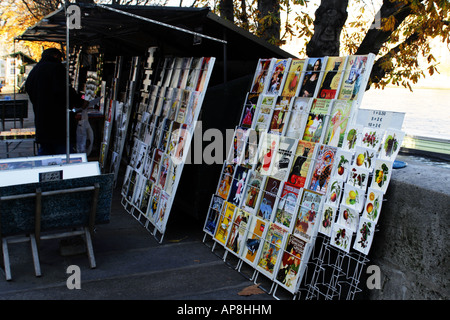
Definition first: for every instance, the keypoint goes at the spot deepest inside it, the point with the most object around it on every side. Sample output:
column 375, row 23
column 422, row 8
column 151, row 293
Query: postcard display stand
column 305, row 177
column 167, row 115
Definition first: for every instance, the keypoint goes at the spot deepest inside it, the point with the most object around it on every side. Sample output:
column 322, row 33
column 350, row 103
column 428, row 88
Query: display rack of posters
column 322, row 174
column 166, row 119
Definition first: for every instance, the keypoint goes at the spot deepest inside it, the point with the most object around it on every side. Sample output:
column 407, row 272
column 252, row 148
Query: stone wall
column 411, row 245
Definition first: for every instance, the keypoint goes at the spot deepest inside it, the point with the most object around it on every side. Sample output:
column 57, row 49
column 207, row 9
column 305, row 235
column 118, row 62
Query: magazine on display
column 264, row 112
column 348, row 217
column 327, row 219
column 391, row 144
column 325, row 158
column 284, row 158
column 250, row 149
column 280, row 115
column 253, row 240
column 372, row 138
column 261, row 78
column 288, row 206
column 364, row 158
column 353, row 197
column 292, row 264
column 294, row 78
column 269, row 198
column 299, row 112
column 304, row 160
column 277, row 76
column 162, row 213
column 271, row 250
column 250, row 110
column 305, row 224
column 215, row 208
column 237, row 149
column 317, row 120
column 253, row 191
column 332, row 78
column 224, row 224
column 337, row 122
column 312, row 77
column 317, row 165
column 238, row 232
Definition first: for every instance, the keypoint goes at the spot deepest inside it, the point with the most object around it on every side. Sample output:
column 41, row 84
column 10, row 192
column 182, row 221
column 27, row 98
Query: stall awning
column 122, row 33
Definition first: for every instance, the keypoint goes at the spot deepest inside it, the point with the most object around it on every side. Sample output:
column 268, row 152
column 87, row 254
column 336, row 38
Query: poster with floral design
column 342, row 163
column 364, row 157
column 348, row 217
column 364, row 236
column 381, row 175
column 353, row 197
column 341, row 237
column 372, row 138
column 334, row 192
column 391, row 144
column 358, row 177
column 327, row 220
column 372, row 207
column 352, row 137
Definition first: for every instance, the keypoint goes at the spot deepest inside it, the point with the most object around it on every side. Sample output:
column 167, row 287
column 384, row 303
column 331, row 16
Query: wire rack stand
column 336, row 274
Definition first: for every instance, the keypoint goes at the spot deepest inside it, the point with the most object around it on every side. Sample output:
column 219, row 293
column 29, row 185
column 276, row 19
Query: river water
column 427, row 111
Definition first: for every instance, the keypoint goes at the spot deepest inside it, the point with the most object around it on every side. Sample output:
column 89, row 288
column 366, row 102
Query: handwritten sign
column 380, row 119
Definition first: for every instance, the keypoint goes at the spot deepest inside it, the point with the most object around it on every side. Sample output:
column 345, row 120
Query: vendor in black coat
column 46, row 88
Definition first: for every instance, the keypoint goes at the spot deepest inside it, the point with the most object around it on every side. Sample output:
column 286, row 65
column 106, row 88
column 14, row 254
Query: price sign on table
column 50, row 176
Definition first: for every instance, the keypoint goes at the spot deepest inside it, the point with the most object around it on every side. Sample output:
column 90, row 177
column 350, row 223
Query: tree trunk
column 329, row 19
column 375, row 38
column 226, row 10
column 243, row 17
column 269, row 20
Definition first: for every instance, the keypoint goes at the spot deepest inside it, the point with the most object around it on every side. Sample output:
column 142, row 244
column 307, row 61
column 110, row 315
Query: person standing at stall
column 46, row 89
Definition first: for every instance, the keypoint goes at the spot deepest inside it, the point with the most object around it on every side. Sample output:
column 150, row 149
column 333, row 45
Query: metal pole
column 14, row 82
column 67, row 87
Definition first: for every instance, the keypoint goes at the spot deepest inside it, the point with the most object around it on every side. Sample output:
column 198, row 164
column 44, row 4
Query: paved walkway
column 131, row 264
